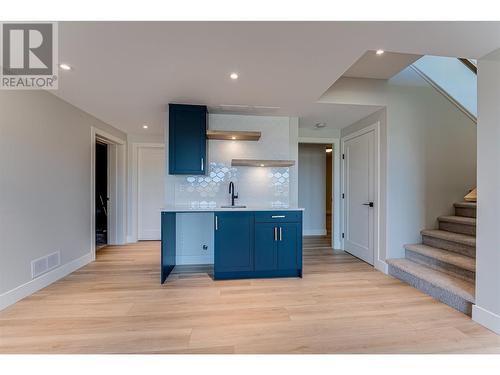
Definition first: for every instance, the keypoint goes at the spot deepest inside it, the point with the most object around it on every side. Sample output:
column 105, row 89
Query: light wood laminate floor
column 342, row 305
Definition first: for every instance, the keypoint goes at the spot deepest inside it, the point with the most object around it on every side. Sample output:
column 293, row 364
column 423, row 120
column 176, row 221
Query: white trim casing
column 486, row 318
column 14, row 295
column 336, row 240
column 378, row 262
column 117, row 170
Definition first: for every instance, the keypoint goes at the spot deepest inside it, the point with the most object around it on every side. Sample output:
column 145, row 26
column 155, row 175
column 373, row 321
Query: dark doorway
column 101, row 194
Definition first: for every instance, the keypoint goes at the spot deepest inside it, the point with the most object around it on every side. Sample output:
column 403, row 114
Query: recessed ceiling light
column 234, row 76
column 329, row 149
column 262, row 165
column 145, row 126
column 380, row 52
column 64, row 66
column 233, row 137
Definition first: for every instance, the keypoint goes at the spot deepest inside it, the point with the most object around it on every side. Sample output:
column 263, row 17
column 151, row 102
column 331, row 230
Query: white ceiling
column 384, row 66
column 126, row 72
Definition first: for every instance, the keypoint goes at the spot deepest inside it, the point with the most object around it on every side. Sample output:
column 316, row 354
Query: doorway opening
column 107, row 189
column 101, row 194
column 315, row 189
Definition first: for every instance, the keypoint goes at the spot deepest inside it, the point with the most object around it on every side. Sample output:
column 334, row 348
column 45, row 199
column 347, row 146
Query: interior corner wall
column 312, row 186
column 294, row 155
column 430, row 153
column 45, row 156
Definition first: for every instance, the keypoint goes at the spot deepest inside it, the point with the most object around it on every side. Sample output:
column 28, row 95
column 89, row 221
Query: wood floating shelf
column 261, row 163
column 228, row 135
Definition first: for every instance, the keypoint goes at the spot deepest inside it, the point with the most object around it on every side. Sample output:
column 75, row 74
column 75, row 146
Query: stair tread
column 459, row 287
column 463, row 239
column 458, row 219
column 445, row 256
column 465, row 204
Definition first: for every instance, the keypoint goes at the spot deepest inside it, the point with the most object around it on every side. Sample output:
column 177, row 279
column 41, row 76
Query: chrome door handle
column 368, row 204
column 277, row 216
column 202, row 164
column 281, row 234
column 216, row 223
column 275, row 234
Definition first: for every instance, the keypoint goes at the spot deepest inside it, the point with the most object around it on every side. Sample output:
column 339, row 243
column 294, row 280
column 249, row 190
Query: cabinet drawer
column 278, row 216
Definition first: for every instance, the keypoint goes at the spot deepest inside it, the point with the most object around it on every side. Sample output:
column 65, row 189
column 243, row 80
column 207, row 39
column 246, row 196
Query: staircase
column 444, row 264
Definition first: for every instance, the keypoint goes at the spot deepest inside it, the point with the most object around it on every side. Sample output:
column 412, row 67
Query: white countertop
column 184, row 208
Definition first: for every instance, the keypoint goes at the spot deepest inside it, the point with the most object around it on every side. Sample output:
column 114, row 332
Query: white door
column 359, row 195
column 150, row 174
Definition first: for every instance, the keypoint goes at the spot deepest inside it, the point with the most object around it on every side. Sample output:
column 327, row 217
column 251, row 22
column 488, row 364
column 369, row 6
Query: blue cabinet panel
column 288, row 246
column 234, row 242
column 266, row 256
column 187, row 139
column 168, row 243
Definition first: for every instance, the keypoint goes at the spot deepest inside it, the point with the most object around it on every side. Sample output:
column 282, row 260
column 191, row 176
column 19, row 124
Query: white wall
column 256, row 186
column 325, row 132
column 45, row 157
column 430, row 151
column 150, row 190
column 312, row 186
column 487, row 308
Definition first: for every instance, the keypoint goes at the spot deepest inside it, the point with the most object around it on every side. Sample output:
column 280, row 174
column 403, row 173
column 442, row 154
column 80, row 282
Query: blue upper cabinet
column 187, row 140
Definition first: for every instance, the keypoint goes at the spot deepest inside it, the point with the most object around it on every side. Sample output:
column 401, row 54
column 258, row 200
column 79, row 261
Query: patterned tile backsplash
column 255, row 187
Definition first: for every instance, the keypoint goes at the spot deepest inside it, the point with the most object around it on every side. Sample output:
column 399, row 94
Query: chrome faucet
column 231, row 191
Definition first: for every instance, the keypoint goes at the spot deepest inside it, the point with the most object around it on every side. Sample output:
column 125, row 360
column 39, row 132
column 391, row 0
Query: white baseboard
column 381, row 266
column 486, row 318
column 131, row 239
column 18, row 293
column 314, row 232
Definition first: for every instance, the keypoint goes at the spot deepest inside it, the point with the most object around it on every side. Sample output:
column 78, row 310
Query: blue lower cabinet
column 288, row 246
column 234, row 243
column 266, row 251
column 252, row 245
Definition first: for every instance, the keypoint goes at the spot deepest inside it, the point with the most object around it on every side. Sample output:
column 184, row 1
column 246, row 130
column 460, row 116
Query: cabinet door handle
column 216, row 223
column 277, row 216
column 281, row 234
column 275, row 234
column 202, row 164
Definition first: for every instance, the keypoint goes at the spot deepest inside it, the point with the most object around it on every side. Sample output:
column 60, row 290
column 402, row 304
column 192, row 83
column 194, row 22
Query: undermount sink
column 235, row 206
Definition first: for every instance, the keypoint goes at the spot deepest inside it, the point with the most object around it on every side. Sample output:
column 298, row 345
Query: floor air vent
column 44, row 264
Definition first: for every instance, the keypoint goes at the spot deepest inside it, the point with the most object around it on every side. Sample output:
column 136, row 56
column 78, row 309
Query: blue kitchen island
column 248, row 242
